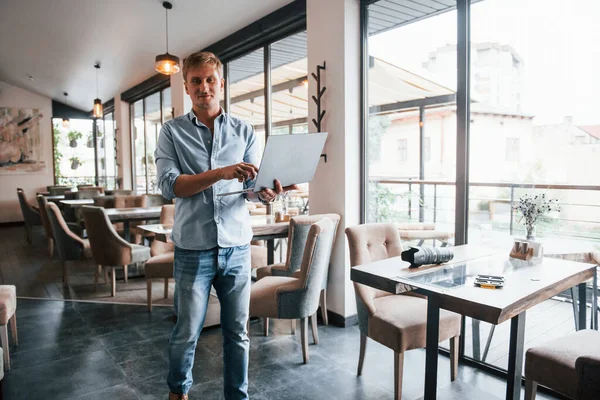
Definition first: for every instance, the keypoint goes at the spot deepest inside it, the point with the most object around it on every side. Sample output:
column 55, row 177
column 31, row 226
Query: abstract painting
column 20, row 141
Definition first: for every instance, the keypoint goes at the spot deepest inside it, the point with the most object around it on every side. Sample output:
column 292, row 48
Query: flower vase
column 531, row 233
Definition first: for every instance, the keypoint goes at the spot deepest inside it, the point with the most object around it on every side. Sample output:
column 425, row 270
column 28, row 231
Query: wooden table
column 450, row 286
column 76, row 203
column 55, row 198
column 263, row 228
column 127, row 215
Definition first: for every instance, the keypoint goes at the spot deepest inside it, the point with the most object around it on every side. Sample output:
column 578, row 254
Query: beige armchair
column 396, row 321
column 70, row 246
column 31, row 215
column 160, row 265
column 569, row 365
column 108, row 249
column 129, row 202
column 298, row 298
column 297, row 234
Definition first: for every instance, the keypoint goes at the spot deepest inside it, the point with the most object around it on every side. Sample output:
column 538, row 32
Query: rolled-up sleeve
column 167, row 163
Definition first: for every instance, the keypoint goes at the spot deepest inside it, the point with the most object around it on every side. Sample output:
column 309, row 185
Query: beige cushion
column 160, row 266
column 258, row 256
column 400, row 322
column 263, row 298
column 552, row 364
column 8, row 302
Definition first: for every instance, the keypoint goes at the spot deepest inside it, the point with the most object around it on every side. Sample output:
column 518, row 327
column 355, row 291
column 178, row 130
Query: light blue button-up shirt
column 186, row 146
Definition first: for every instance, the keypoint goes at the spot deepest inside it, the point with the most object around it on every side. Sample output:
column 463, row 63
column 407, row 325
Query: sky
column 558, row 40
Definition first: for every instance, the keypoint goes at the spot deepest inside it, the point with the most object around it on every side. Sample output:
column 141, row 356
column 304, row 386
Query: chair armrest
column 588, row 372
column 75, row 228
column 296, row 274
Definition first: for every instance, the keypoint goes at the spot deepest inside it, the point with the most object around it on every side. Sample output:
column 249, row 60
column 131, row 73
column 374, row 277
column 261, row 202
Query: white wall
column 179, row 99
column 333, row 35
column 11, row 96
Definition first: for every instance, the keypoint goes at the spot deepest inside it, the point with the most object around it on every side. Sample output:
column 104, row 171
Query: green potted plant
column 90, row 141
column 75, row 162
column 73, row 137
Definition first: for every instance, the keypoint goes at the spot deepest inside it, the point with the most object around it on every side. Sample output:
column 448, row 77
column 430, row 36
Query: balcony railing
column 491, row 205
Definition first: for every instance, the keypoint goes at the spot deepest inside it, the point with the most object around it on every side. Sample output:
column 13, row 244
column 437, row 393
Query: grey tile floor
column 89, row 351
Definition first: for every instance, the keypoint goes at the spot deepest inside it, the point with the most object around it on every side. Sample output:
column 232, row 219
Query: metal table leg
column 431, row 350
column 582, row 305
column 515, row 357
column 270, row 251
column 595, row 301
column 475, row 325
column 126, row 231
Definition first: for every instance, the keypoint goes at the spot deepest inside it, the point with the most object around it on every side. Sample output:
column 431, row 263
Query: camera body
column 418, row 256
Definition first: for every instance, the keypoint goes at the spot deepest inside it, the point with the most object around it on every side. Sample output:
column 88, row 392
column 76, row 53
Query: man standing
column 199, row 155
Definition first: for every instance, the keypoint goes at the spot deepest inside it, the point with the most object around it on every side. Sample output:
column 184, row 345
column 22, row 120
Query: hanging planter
column 90, row 142
column 75, row 162
column 73, row 137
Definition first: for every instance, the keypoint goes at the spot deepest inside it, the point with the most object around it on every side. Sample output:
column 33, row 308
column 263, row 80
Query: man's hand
column 240, row 171
column 269, row 195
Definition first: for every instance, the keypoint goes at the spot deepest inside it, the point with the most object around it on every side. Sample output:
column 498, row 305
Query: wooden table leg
column 515, row 357
column 431, row 350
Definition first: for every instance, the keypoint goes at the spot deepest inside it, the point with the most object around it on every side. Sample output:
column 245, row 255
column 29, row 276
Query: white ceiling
column 58, row 41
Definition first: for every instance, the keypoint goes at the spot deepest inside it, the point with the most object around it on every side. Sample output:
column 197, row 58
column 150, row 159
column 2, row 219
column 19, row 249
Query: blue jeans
column 228, row 269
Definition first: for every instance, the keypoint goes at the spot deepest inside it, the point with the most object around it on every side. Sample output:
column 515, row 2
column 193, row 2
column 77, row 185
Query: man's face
column 203, row 84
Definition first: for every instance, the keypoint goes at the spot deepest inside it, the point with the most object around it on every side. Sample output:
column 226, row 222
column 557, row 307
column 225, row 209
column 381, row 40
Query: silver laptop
column 292, row 159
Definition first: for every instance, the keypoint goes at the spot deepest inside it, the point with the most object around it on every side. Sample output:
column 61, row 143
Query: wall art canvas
column 20, row 141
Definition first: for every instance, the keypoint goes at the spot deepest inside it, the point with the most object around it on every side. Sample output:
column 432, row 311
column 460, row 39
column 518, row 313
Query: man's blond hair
column 200, row 59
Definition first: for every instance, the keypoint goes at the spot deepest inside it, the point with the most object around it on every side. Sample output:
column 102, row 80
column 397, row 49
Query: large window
column 148, row 115
column 74, row 162
column 106, row 145
column 531, row 125
column 411, row 131
column 288, row 95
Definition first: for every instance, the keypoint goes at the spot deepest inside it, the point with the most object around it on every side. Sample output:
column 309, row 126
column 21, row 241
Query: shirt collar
column 195, row 120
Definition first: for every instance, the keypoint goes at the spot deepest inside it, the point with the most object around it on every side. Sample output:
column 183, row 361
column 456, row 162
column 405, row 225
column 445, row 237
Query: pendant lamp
column 65, row 121
column 167, row 64
column 97, row 113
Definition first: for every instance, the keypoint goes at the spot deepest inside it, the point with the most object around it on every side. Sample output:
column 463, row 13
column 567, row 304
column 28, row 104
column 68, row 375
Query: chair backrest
column 70, row 195
column 304, row 301
column 84, row 188
column 108, row 248
column 297, row 234
column 58, row 190
column 118, row 192
column 69, row 245
column 87, row 193
column 84, row 185
column 167, row 217
column 157, row 200
column 369, row 243
column 131, row 201
column 42, row 201
column 30, row 215
column 104, row 201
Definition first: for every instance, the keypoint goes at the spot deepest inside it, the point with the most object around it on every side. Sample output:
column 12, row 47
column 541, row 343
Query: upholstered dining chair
column 297, row 234
column 70, row 246
column 160, row 265
column 130, row 202
column 569, row 365
column 298, row 298
column 396, row 321
column 108, row 248
column 8, row 314
column 58, row 190
column 31, row 215
column 42, row 201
